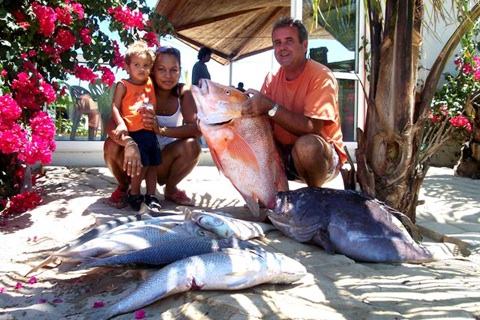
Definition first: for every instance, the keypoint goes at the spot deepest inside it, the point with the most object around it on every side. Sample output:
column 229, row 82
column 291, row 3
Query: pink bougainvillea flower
column 3, row 290
column 9, row 109
column 127, row 17
column 24, row 25
column 63, row 15
column 151, row 39
column 108, row 77
column 18, row 286
column 140, row 314
column 78, row 9
column 85, row 74
column 65, row 40
column 98, row 304
column 46, row 18
column 32, row 280
column 85, row 35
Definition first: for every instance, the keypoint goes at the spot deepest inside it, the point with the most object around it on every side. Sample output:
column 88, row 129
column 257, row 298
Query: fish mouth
column 213, row 111
column 203, row 87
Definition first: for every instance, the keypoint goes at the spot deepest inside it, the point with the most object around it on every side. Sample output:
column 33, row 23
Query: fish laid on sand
column 242, row 148
column 346, row 222
column 225, row 226
column 168, row 252
column 230, row 269
column 124, row 238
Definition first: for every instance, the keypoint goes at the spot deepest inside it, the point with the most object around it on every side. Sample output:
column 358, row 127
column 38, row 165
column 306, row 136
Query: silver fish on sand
column 168, row 252
column 124, row 239
column 346, row 222
column 225, row 226
column 229, row 269
column 110, row 227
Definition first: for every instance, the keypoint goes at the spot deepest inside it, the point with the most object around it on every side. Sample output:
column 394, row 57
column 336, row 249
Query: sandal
column 180, row 198
column 118, row 199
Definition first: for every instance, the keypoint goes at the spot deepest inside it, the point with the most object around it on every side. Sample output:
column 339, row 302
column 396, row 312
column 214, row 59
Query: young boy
column 133, row 97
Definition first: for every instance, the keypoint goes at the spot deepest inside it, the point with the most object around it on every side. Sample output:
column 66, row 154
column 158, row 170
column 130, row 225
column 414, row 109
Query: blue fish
column 168, row 252
column 346, row 222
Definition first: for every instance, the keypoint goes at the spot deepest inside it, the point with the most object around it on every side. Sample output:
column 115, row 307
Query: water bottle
column 147, row 106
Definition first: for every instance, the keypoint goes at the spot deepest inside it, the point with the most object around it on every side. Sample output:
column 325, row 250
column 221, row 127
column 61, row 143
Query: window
column 334, row 42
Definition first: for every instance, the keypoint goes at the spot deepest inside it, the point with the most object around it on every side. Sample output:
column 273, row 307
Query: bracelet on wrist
column 129, row 143
column 162, row 130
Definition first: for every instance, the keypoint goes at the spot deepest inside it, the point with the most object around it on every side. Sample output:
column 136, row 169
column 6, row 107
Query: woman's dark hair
column 204, row 51
column 171, row 51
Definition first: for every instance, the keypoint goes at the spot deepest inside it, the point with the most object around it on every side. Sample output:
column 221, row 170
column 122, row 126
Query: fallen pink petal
column 57, row 300
column 3, row 290
column 98, row 304
column 42, row 300
column 18, row 286
column 32, row 280
column 140, row 314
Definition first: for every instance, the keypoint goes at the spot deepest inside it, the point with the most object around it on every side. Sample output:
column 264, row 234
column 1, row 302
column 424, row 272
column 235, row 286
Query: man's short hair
column 290, row 22
column 204, row 51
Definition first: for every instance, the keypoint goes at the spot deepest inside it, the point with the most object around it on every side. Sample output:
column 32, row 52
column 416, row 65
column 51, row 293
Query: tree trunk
column 385, row 153
column 391, row 160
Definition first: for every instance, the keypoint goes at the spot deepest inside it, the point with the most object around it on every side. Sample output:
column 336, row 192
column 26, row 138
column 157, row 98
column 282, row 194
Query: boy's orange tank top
column 134, row 98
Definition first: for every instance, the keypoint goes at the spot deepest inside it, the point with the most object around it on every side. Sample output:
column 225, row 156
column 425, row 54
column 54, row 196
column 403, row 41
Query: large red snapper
column 242, row 148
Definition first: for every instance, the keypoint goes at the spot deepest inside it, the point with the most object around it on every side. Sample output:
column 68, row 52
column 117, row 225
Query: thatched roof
column 232, row 29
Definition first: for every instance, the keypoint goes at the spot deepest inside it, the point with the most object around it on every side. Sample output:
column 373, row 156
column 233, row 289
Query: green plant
column 448, row 116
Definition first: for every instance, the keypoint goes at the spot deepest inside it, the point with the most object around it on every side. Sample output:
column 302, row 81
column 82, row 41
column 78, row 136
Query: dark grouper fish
column 346, row 222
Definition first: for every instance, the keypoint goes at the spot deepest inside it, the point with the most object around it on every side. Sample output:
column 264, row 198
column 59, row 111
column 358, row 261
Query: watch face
column 272, row 111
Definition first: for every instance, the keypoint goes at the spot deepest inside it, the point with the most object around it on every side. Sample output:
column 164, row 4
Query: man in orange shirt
column 301, row 99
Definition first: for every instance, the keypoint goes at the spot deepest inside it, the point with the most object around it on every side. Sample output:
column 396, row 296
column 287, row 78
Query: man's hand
column 257, row 104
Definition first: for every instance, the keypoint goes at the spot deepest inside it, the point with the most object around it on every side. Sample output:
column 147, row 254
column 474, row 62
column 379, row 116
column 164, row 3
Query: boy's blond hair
column 138, row 48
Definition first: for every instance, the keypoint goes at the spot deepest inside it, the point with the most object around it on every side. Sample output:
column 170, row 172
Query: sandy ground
column 335, row 287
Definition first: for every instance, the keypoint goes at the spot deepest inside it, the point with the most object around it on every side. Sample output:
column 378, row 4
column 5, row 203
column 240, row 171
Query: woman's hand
column 132, row 163
column 150, row 120
column 120, row 131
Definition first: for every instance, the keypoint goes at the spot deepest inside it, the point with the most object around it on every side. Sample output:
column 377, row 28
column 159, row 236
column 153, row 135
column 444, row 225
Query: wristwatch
column 273, row 111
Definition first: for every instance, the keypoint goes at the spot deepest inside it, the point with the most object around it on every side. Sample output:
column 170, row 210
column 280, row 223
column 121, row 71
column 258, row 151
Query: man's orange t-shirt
column 134, row 98
column 314, row 94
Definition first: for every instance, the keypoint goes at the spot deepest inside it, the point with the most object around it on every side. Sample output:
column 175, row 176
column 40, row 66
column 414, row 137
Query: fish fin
column 252, row 204
column 240, row 149
column 216, row 160
column 187, row 212
column 50, row 259
column 322, row 239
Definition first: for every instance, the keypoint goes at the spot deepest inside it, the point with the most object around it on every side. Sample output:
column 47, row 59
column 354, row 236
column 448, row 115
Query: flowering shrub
column 448, row 119
column 40, row 45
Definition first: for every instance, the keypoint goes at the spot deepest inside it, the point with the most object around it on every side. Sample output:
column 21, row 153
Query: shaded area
column 335, row 288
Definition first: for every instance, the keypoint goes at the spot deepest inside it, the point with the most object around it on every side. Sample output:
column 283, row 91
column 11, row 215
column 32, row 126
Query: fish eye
column 227, row 92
